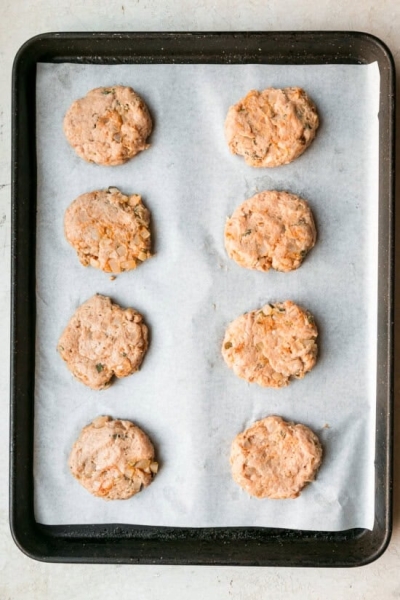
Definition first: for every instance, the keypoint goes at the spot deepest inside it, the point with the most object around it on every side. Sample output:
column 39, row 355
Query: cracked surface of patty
column 113, row 459
column 271, row 229
column 275, row 458
column 270, row 345
column 271, row 127
column 101, row 340
column 109, row 231
column 109, row 125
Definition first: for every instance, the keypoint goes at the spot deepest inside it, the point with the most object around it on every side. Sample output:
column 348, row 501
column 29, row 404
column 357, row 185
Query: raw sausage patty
column 109, row 125
column 272, row 127
column 101, row 340
column 108, row 230
column 270, row 345
column 275, row 458
column 113, row 459
column 271, row 229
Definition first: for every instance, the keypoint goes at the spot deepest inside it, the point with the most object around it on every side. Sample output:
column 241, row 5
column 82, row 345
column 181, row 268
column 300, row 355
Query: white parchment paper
column 185, row 397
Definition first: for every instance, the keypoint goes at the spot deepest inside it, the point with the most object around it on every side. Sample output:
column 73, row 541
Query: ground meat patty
column 275, row 459
column 101, row 340
column 108, row 230
column 271, row 229
column 272, row 127
column 270, row 345
column 108, row 126
column 113, row 459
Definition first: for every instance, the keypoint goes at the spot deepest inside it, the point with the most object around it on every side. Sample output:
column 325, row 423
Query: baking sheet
column 185, row 397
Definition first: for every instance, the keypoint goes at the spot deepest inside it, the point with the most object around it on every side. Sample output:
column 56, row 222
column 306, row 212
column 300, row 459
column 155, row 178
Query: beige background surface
column 22, row 578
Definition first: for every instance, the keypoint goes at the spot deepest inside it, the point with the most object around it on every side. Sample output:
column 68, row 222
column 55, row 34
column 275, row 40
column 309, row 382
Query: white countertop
column 23, row 578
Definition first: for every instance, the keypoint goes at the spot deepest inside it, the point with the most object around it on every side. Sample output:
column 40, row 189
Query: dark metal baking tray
column 115, row 543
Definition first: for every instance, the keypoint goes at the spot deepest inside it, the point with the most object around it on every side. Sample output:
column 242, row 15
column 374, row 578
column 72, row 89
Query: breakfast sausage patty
column 272, row 127
column 113, row 459
column 101, row 340
column 275, row 459
column 109, row 231
column 271, row 229
column 270, row 345
column 109, row 125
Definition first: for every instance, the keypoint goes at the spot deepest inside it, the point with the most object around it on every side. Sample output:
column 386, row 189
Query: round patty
column 271, row 229
column 272, row 127
column 272, row 344
column 275, row 458
column 101, row 340
column 113, row 459
column 108, row 230
column 108, row 126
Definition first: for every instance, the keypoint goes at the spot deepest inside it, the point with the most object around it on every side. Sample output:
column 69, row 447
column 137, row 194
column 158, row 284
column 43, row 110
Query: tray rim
column 76, row 543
